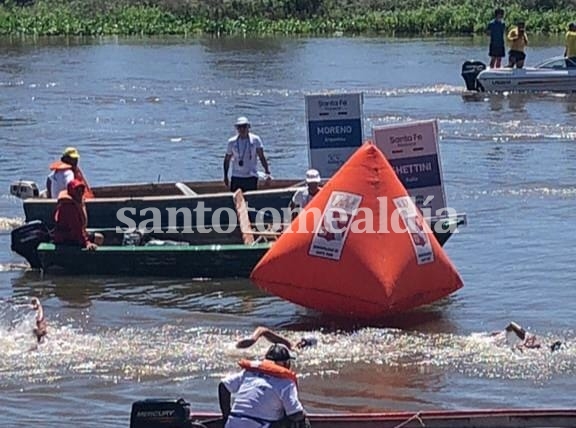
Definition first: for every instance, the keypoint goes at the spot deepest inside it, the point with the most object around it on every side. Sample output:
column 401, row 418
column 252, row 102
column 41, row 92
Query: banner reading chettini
column 412, row 150
column 334, row 129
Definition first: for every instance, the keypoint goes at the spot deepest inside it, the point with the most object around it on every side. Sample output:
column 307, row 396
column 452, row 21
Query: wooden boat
column 176, row 414
column 148, row 254
column 187, row 261
column 433, row 419
column 103, row 208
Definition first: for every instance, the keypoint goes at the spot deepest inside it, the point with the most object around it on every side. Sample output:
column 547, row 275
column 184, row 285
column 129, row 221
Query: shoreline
column 394, row 18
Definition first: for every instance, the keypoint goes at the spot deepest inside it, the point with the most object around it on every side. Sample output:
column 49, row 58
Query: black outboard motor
column 160, row 413
column 470, row 72
column 26, row 238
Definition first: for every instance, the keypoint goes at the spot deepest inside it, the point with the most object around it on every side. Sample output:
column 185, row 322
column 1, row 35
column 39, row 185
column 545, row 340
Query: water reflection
column 230, row 296
column 252, row 59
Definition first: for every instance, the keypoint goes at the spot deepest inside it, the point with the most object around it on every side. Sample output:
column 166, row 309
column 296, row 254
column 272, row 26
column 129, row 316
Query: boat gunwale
column 47, row 247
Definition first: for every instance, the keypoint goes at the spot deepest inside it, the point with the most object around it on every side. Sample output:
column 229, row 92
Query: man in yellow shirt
column 570, row 52
column 517, row 40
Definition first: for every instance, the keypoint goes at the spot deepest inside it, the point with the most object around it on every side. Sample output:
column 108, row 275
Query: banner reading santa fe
column 334, row 129
column 412, row 150
column 360, row 249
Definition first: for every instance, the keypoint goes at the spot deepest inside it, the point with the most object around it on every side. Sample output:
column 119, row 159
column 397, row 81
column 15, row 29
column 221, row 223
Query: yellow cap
column 71, row 152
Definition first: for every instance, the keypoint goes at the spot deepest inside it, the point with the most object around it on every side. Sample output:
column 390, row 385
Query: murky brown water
column 143, row 109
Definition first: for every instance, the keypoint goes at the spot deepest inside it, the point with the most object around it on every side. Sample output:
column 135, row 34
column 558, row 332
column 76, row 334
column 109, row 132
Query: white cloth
column 302, row 197
column 244, row 149
column 59, row 181
column 261, row 396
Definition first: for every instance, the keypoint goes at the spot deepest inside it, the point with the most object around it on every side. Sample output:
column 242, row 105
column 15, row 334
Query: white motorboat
column 553, row 75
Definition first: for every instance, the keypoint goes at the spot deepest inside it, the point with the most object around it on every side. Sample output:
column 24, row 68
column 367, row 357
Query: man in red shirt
column 71, row 220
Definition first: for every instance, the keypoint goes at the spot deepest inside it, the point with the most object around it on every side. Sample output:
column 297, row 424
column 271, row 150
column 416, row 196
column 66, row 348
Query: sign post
column 412, row 150
column 334, row 129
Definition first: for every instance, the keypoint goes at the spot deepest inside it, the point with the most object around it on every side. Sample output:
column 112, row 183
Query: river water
column 140, row 110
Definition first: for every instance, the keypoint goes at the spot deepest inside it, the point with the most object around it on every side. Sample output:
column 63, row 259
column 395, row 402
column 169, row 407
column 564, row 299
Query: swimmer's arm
column 271, row 336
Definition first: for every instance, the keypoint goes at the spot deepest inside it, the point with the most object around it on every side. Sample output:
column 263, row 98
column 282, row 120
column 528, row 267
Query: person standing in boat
column 266, row 393
column 570, row 52
column 303, row 196
column 244, row 150
column 496, row 30
column 518, row 41
column 71, row 219
column 63, row 172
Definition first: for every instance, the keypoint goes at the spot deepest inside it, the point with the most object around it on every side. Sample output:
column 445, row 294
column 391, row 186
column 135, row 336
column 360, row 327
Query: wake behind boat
column 556, row 74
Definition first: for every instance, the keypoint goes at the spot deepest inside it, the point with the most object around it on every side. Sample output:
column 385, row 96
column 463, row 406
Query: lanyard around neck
column 245, row 148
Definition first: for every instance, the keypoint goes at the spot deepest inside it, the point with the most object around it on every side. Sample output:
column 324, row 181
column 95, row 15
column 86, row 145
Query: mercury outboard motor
column 470, row 72
column 161, row 413
column 26, row 238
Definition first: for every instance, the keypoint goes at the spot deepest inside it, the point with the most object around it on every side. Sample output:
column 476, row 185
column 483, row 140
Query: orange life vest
column 268, row 367
column 78, row 175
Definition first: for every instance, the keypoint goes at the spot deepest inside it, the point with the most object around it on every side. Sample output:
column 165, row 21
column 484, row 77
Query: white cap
column 313, row 176
column 242, row 120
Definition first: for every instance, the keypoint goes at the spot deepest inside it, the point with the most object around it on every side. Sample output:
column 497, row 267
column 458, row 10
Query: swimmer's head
column 35, row 303
column 556, row 346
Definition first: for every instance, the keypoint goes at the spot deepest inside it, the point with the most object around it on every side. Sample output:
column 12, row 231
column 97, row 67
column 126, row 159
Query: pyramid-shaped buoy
column 360, row 249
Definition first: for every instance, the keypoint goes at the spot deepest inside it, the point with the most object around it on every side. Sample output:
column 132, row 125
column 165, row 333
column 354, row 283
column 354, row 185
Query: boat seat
column 249, row 235
column 187, row 191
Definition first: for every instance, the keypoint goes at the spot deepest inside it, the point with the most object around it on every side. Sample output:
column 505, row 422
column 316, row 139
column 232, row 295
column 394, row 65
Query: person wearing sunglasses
column 243, row 151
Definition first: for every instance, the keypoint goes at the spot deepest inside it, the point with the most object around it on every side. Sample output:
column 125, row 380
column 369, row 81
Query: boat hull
column 433, row 419
column 527, row 80
column 103, row 210
column 201, row 261
column 178, row 414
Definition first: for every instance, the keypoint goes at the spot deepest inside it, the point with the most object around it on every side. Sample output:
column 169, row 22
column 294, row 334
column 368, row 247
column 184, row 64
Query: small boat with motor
column 556, row 74
column 160, row 413
column 146, row 253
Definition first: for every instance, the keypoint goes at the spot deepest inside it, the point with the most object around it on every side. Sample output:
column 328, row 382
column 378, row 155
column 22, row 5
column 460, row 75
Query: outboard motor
column 24, row 189
column 26, row 238
column 160, row 413
column 470, row 72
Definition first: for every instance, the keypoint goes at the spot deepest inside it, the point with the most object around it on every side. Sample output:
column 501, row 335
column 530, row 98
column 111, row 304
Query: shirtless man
column 40, row 330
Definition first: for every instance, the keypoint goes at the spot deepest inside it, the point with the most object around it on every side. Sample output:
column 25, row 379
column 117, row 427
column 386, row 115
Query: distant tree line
column 301, row 9
column 393, row 17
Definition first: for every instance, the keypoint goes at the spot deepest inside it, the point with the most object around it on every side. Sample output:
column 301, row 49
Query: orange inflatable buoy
column 360, row 249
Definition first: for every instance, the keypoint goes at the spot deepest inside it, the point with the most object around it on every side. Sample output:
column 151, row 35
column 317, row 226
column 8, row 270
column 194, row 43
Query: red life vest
column 72, row 228
column 78, row 175
column 268, row 367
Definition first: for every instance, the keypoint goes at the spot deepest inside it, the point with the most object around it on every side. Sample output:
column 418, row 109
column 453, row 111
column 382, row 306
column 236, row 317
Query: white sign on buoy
column 412, row 150
column 334, row 129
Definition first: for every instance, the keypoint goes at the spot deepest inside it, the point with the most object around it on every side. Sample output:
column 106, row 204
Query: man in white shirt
column 265, row 392
column 304, row 195
column 244, row 150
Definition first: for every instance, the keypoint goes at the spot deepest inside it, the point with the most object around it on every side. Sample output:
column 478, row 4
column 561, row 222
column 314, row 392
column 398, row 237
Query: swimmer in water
column 40, row 330
column 274, row 337
column 526, row 340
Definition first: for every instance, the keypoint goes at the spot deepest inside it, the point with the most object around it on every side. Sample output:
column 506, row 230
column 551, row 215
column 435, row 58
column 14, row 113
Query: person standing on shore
column 244, row 150
column 518, row 41
column 570, row 52
column 496, row 30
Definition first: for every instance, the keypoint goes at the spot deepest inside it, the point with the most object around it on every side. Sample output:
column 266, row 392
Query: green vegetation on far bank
column 268, row 17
